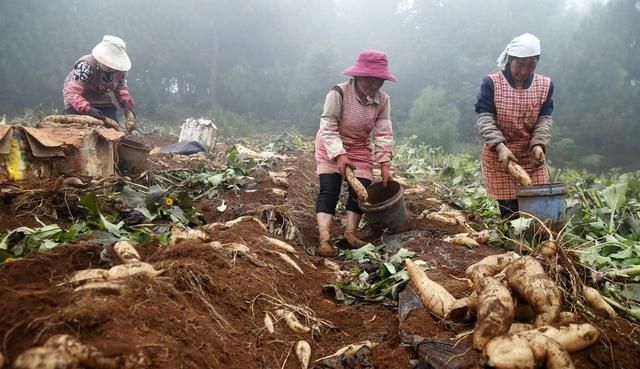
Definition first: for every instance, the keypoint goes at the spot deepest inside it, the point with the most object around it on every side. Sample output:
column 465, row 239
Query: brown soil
column 155, row 139
column 206, row 310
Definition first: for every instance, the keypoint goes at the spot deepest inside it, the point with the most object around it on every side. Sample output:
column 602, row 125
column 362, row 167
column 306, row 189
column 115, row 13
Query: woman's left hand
column 387, row 173
column 538, row 156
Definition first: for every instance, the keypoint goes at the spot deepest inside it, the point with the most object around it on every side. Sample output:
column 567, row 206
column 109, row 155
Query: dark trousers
column 508, row 209
column 107, row 111
column 330, row 186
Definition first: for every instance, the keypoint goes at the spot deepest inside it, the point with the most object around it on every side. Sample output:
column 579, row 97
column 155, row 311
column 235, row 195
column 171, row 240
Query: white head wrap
column 522, row 46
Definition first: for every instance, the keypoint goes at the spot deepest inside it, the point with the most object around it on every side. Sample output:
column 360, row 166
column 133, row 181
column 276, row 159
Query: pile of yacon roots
column 64, row 351
column 509, row 290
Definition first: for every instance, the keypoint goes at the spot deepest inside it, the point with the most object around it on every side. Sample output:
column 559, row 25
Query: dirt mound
column 207, row 308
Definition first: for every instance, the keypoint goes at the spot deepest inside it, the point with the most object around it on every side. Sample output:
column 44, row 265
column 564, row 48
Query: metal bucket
column 385, row 210
column 132, row 155
column 546, row 202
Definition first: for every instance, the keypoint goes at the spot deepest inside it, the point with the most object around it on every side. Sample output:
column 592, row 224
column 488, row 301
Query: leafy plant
column 384, row 278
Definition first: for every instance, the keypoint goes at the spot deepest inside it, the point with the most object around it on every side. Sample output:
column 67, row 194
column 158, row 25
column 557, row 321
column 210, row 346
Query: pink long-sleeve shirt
column 87, row 85
column 347, row 126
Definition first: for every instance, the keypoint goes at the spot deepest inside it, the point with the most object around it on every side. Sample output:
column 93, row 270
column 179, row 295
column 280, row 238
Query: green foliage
column 433, row 118
column 458, row 177
column 385, row 276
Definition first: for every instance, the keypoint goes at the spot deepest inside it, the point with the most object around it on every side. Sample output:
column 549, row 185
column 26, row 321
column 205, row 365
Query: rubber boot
column 353, row 220
column 325, row 249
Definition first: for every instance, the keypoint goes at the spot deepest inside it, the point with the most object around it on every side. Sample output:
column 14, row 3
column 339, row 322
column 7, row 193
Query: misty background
column 266, row 65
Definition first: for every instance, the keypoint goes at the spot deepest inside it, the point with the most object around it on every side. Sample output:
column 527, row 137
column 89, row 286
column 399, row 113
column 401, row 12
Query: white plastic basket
column 199, row 129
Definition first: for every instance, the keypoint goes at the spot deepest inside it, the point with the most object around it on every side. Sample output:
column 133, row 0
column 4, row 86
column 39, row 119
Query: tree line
column 267, row 65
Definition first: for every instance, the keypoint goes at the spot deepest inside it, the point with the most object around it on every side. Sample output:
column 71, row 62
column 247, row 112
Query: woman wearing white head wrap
column 514, row 119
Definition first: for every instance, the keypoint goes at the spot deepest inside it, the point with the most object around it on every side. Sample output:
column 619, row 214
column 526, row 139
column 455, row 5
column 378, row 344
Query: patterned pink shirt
column 346, row 127
column 87, row 85
column 516, row 116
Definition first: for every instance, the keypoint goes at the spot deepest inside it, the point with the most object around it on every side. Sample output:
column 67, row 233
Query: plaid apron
column 355, row 127
column 517, row 115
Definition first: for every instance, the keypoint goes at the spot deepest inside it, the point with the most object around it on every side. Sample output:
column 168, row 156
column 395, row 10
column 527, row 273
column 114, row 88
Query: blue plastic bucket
column 385, row 210
column 546, row 202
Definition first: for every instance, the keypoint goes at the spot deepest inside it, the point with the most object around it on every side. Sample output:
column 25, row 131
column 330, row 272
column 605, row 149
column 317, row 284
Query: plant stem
column 632, row 313
column 624, row 273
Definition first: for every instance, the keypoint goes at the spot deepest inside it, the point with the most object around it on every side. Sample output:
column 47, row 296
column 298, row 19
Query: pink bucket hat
column 371, row 63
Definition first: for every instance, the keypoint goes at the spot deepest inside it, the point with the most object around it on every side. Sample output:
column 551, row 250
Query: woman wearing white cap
column 88, row 87
column 514, row 118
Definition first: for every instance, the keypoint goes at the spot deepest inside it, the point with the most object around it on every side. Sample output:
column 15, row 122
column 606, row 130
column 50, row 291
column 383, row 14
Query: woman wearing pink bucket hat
column 88, row 87
column 352, row 111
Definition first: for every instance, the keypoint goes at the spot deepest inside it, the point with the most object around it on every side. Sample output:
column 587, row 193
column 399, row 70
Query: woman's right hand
column 343, row 162
column 504, row 155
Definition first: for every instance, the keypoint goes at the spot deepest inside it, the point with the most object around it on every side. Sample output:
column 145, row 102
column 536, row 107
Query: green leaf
column 154, row 195
column 402, row 254
column 114, row 229
column 47, row 245
column 105, row 238
column 89, row 201
column 520, row 225
column 132, row 198
column 624, row 254
column 177, row 215
column 614, row 195
column 147, row 214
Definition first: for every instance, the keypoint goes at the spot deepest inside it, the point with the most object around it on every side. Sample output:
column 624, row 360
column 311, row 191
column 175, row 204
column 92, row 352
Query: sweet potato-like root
column 548, row 248
column 87, row 356
column 45, row 358
column 462, row 239
column 279, row 178
column 434, row 297
column 290, row 261
column 128, row 270
column 482, row 236
column 303, row 352
column 508, row 352
column 292, row 321
column 268, row 322
column 557, row 357
column 73, row 118
column 490, row 266
column 520, row 327
column 106, row 287
column 441, row 218
column 521, row 175
column 88, row 276
column 463, row 309
column 527, row 279
column 233, row 249
column 350, row 350
column 362, row 193
column 520, row 351
column 495, row 311
column 597, row 303
column 126, row 252
column 572, row 338
column 178, row 234
column 215, row 227
column 280, row 244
